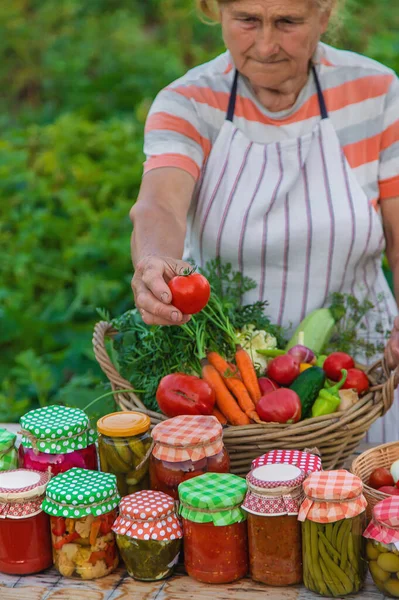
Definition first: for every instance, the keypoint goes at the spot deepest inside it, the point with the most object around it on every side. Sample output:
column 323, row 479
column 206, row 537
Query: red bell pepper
column 58, row 526
column 281, row 406
column 67, row 539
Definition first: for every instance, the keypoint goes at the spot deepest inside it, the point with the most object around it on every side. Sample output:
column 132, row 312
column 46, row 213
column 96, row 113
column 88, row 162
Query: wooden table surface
column 119, row 586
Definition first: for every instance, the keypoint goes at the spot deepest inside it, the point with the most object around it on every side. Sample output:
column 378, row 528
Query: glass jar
column 57, row 438
column 333, row 518
column 382, row 547
column 214, row 527
column 274, row 533
column 185, row 447
column 124, row 444
column 8, row 453
column 25, row 543
column 82, row 507
column 148, row 535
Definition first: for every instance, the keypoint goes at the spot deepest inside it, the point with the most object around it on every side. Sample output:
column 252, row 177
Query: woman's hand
column 392, row 348
column 151, row 292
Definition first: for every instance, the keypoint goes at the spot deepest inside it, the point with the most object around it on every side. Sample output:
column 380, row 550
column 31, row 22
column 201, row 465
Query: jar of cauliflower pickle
column 124, row 443
column 82, row 507
column 57, row 438
column 148, row 534
column 333, row 519
column 382, row 548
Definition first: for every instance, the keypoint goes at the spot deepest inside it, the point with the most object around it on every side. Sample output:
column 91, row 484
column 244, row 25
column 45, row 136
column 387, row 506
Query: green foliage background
column 76, row 80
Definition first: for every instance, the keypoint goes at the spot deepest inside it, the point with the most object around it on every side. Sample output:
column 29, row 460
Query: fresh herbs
column 351, row 334
column 145, row 354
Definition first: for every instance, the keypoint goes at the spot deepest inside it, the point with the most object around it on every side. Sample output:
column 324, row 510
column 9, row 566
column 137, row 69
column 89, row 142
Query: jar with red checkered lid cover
column 185, row 447
column 382, row 548
column 274, row 534
column 148, row 534
column 25, row 542
column 333, row 520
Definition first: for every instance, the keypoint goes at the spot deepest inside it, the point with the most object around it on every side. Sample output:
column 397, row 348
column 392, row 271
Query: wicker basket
column 336, row 436
column 365, row 463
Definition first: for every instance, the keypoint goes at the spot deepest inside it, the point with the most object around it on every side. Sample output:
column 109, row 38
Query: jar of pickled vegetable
column 333, row 518
column 274, row 533
column 382, row 548
column 57, row 438
column 8, row 453
column 82, row 507
column 25, row 543
column 185, row 447
column 149, row 535
column 305, row 460
column 124, row 445
column 214, row 527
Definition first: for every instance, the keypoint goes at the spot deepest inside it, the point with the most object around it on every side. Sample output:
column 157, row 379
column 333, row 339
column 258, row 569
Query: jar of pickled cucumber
column 124, row 444
column 382, row 548
column 333, row 519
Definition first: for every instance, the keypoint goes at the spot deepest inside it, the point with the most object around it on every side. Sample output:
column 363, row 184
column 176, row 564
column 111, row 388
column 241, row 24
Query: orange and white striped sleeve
column 389, row 147
column 175, row 135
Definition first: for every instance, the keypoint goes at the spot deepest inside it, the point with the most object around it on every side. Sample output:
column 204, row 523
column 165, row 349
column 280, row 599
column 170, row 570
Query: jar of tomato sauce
column 185, row 447
column 214, row 527
column 57, row 438
column 82, row 507
column 25, row 543
column 274, row 533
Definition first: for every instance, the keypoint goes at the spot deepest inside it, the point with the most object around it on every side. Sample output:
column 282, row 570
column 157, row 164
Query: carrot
column 224, row 400
column 235, row 385
column 220, row 417
column 94, row 530
column 248, row 374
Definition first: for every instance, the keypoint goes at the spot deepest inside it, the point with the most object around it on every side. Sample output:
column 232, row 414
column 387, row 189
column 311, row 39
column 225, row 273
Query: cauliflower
column 252, row 339
column 82, row 556
column 64, row 564
column 101, row 542
column 70, row 550
column 89, row 571
column 83, row 526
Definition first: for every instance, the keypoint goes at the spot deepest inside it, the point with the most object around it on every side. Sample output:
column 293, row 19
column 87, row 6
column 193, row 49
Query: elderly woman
column 280, row 156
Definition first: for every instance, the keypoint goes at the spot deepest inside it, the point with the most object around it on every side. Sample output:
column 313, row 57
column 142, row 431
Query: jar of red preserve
column 214, row 527
column 185, row 447
column 57, row 438
column 25, row 542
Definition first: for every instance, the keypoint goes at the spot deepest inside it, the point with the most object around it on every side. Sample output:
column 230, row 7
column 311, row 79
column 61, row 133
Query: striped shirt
column 362, row 98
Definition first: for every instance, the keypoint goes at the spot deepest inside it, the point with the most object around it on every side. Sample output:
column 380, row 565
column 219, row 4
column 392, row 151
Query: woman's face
column 272, row 41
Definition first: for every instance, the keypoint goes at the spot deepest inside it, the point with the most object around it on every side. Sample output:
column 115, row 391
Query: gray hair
column 209, row 8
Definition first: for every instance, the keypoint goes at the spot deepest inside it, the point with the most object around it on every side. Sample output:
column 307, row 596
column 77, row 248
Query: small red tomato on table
column 334, row 364
column 181, row 394
column 190, row 292
column 380, row 477
column 283, row 369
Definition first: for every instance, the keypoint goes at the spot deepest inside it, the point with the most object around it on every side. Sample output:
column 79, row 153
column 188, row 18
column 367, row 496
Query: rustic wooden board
column 119, row 586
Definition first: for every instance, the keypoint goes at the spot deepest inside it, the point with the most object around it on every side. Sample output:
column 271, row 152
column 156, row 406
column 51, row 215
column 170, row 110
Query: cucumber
column 308, row 385
column 317, row 329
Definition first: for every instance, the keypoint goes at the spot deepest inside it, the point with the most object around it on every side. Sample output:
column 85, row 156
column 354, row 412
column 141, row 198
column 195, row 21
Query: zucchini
column 316, row 328
column 308, row 385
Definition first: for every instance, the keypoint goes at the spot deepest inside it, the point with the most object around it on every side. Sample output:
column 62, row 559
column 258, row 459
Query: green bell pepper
column 328, row 401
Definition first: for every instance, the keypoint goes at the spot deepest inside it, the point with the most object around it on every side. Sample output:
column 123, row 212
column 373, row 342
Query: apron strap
column 233, row 97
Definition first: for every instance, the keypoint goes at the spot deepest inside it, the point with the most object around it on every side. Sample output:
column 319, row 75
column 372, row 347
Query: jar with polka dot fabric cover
column 149, row 535
column 82, row 507
column 57, row 438
column 25, row 543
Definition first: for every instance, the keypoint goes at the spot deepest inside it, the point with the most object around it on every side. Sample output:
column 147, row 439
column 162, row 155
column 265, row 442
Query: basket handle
column 388, row 390
column 102, row 330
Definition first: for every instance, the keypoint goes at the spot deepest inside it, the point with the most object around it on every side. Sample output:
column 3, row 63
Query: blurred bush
column 76, row 80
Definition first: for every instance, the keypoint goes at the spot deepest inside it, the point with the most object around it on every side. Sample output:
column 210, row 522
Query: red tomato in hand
column 380, row 477
column 190, row 292
column 267, row 385
column 357, row 380
column 181, row 394
column 283, row 369
column 389, row 489
column 335, row 362
column 281, row 406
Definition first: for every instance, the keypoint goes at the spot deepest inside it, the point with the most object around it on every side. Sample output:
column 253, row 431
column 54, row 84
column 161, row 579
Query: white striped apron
column 292, row 216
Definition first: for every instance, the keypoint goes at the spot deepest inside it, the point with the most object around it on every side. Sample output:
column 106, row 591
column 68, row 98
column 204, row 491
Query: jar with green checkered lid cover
column 8, row 453
column 82, row 507
column 210, row 506
column 57, row 438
